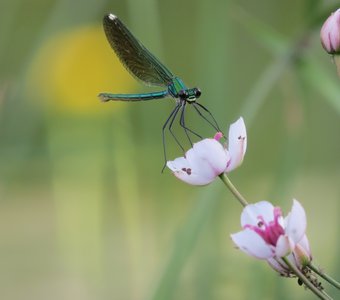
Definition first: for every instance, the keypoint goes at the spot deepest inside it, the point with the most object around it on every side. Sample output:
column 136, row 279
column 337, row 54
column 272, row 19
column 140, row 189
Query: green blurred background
column 85, row 212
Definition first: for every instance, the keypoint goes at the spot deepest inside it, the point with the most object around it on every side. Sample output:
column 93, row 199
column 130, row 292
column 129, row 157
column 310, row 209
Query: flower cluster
column 265, row 234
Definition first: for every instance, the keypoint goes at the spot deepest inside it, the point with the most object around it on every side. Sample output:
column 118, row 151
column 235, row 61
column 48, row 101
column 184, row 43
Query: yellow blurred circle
column 72, row 68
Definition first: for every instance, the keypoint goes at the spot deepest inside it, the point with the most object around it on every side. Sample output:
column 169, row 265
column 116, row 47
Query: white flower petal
column 183, row 171
column 212, row 152
column 302, row 252
column 193, row 178
column 237, row 144
column 296, row 222
column 201, row 164
column 198, row 165
column 177, row 164
column 279, row 266
column 284, row 246
column 252, row 244
column 304, row 243
column 251, row 213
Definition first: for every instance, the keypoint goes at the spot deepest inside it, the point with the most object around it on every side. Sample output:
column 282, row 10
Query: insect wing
column 136, row 58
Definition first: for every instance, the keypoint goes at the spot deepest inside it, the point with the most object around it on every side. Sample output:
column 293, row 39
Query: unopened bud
column 330, row 33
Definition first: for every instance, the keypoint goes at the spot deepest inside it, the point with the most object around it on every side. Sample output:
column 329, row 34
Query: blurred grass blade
column 270, row 38
column 78, row 191
column 262, row 87
column 317, row 19
column 146, row 26
column 210, row 19
column 322, row 81
column 124, row 162
column 284, row 53
column 265, row 83
column 185, row 243
column 312, row 8
column 189, row 234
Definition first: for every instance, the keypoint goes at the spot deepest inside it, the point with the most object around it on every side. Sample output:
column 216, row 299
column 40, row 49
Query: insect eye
column 198, row 92
column 183, row 94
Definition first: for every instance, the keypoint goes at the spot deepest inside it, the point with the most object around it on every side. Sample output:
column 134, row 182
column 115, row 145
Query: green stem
column 336, row 59
column 233, row 189
column 324, row 275
column 305, row 280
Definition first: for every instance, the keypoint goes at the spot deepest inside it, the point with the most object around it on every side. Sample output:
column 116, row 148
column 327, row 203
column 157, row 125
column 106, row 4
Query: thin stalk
column 324, row 275
column 233, row 189
column 299, row 274
column 336, row 59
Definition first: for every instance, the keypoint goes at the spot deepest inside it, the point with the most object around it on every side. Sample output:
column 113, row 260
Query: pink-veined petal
column 284, row 246
column 251, row 213
column 237, row 144
column 251, row 243
column 296, row 222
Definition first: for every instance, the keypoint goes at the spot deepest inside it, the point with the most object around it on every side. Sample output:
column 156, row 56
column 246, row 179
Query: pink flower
column 330, row 33
column 208, row 158
column 267, row 235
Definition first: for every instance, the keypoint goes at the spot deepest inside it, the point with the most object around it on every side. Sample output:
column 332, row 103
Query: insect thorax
column 177, row 89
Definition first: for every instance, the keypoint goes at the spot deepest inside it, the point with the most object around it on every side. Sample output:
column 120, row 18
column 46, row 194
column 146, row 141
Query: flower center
column 271, row 231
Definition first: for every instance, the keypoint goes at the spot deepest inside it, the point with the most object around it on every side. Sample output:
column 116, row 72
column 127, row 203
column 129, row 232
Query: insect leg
column 214, row 124
column 182, row 123
column 178, row 106
column 169, row 119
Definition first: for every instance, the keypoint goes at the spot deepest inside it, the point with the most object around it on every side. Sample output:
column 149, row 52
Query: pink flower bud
column 330, row 33
column 218, row 136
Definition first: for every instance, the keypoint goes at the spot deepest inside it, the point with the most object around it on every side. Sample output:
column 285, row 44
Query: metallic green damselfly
column 144, row 66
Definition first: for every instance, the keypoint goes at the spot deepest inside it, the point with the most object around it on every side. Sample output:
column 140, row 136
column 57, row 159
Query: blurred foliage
column 85, row 212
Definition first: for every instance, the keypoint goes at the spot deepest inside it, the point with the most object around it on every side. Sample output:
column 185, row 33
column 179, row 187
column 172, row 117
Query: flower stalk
column 325, row 276
column 304, row 279
column 233, row 189
column 336, row 59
